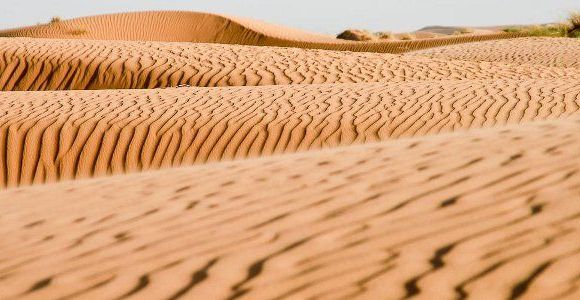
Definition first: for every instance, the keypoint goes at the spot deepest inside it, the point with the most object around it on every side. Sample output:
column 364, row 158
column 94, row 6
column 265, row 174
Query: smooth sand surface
column 49, row 136
column 45, row 64
column 184, row 26
column 551, row 52
column 284, row 173
column 491, row 214
column 167, row 26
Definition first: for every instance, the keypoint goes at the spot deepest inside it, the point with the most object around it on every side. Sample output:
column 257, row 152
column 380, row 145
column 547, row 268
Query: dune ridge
column 551, row 52
column 183, row 26
column 39, row 64
column 491, row 213
column 49, row 136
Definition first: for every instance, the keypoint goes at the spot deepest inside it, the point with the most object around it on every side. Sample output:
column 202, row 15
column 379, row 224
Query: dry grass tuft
column 556, row 30
column 574, row 20
column 356, row 35
column 77, row 32
column 574, row 23
column 513, row 29
column 463, row 30
column 569, row 28
column 385, row 35
column 406, row 36
column 55, row 20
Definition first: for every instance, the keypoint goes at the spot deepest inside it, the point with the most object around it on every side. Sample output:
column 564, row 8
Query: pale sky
column 324, row 16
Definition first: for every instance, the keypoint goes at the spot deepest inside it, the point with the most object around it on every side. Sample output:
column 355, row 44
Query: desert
column 199, row 155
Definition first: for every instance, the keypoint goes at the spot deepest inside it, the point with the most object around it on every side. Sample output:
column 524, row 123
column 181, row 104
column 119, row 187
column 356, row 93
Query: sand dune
column 450, row 30
column 491, row 214
column 287, row 173
column 168, row 26
column 64, row 135
column 551, row 52
column 41, row 64
column 183, row 26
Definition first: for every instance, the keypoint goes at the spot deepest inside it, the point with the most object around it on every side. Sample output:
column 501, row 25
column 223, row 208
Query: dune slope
column 39, row 64
column 48, row 136
column 551, row 52
column 183, row 26
column 230, row 168
column 490, row 214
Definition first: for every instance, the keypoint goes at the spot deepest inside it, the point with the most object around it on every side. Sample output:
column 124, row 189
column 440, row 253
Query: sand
column 490, row 213
column 43, row 64
column 454, row 30
column 50, row 136
column 184, row 26
column 551, row 52
column 165, row 162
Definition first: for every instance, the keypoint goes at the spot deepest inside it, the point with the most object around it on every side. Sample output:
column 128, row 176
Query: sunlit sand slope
column 182, row 26
column 491, row 214
column 551, row 52
column 47, row 136
column 40, row 64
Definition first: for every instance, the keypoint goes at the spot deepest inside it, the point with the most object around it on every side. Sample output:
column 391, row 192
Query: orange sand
column 49, row 136
column 452, row 172
column 43, row 64
column 183, row 26
column 551, row 52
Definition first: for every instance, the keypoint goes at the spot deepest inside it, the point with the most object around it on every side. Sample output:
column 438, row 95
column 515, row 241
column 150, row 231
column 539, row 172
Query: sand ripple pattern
column 37, row 64
column 183, row 26
column 551, row 52
column 48, row 136
column 447, row 216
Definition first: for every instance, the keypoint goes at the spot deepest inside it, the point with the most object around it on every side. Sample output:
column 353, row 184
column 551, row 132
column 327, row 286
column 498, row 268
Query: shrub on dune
column 406, row 36
column 569, row 28
column 385, row 35
column 463, row 30
column 555, row 30
column 513, row 29
column 574, row 23
column 55, row 20
column 77, row 32
column 356, row 35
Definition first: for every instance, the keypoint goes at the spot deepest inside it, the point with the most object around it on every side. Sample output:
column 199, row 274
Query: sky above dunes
column 324, row 16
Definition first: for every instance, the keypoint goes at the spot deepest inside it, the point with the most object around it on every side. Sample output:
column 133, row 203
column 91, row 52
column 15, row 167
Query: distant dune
column 551, row 52
column 473, row 214
column 450, row 30
column 47, row 64
column 168, row 26
column 181, row 26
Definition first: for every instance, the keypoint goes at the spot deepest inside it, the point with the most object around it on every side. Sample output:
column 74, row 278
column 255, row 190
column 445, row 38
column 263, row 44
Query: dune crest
column 550, row 52
column 46, row 64
column 198, row 27
column 50, row 136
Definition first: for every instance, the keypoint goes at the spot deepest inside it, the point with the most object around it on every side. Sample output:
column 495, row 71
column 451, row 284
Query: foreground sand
column 49, row 136
column 491, row 214
column 43, row 64
column 184, row 26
